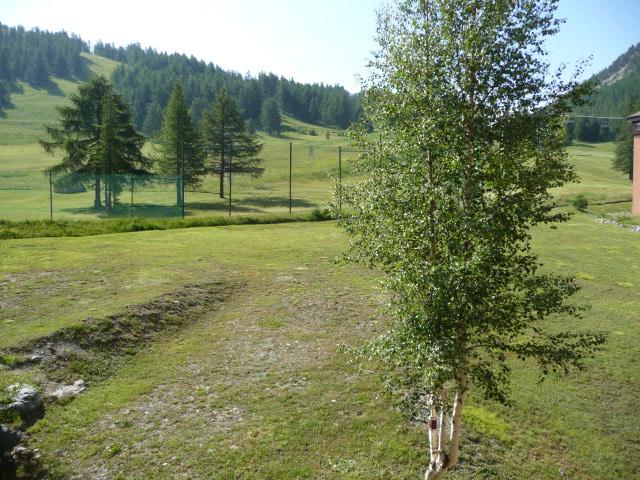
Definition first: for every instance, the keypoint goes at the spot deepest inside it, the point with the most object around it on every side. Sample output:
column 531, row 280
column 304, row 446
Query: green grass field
column 257, row 386
column 24, row 189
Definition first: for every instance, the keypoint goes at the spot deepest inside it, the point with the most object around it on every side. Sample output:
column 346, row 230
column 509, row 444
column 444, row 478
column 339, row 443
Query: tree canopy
column 179, row 146
column 473, row 143
column 97, row 138
column 231, row 147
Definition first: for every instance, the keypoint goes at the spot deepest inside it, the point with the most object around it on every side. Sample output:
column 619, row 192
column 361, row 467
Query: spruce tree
column 231, row 148
column 623, row 157
column 178, row 144
column 37, row 73
column 271, row 117
column 94, row 144
column 444, row 206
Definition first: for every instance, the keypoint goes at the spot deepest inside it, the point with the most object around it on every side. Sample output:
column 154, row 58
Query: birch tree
column 473, row 142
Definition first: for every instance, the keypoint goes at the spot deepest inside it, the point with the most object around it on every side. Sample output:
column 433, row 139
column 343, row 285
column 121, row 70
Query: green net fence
column 297, row 177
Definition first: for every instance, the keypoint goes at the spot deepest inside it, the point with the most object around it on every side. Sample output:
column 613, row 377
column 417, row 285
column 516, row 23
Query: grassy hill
column 32, row 108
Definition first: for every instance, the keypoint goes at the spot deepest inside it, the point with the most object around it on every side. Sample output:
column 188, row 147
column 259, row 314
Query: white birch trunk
column 443, row 448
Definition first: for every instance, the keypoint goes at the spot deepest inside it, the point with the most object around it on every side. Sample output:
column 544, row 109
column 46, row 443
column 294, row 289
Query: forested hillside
column 147, row 77
column 34, row 55
column 619, row 85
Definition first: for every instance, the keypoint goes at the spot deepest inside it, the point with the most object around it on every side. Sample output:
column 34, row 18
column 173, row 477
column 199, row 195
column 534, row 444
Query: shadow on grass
column 582, row 145
column 221, row 207
column 140, row 210
column 280, row 201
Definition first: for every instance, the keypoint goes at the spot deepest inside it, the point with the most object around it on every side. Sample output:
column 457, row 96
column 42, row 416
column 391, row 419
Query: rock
column 9, row 438
column 68, row 391
column 26, row 402
column 35, row 358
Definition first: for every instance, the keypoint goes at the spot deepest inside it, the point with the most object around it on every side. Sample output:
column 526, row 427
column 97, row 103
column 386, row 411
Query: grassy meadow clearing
column 24, row 189
column 257, row 386
column 247, row 377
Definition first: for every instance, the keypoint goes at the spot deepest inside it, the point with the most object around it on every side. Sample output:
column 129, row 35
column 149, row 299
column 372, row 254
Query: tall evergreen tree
column 623, row 157
column 179, row 146
column 5, row 100
column 37, row 71
column 446, row 204
column 5, row 64
column 231, row 147
column 95, row 144
column 271, row 117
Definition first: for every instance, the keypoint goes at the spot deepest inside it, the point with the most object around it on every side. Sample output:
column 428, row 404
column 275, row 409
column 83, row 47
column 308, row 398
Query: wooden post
column 635, row 169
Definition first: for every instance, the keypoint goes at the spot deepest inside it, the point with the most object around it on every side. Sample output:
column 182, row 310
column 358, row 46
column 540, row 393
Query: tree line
column 146, row 79
column 99, row 144
column 35, row 55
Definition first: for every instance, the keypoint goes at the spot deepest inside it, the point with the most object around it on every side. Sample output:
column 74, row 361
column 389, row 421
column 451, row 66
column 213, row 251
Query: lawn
column 256, row 385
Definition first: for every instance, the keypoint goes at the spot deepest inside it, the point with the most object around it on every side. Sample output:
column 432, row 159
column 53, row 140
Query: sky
column 311, row 41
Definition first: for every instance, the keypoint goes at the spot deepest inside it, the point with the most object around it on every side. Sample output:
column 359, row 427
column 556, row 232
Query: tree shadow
column 221, row 207
column 280, row 201
column 123, row 210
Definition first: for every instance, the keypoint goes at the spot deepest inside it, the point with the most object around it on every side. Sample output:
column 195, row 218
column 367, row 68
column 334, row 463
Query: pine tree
column 5, row 65
column 152, row 119
column 445, row 205
column 5, row 99
column 271, row 117
column 623, row 158
column 179, row 144
column 95, row 145
column 37, row 73
column 230, row 146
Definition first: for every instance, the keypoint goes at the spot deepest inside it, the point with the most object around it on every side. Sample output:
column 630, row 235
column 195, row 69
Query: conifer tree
column 271, row 117
column 231, row 148
column 179, row 147
column 37, row 71
column 96, row 136
column 623, row 157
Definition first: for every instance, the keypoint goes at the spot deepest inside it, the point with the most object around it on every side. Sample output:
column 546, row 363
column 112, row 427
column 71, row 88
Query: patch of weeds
column 585, row 276
column 486, row 423
column 9, row 360
column 271, row 323
column 113, row 450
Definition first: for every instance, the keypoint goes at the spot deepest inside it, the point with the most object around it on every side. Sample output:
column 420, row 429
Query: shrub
column 580, row 202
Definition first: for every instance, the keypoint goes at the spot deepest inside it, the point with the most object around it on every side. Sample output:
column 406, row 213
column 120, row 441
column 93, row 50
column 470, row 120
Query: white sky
column 312, row 41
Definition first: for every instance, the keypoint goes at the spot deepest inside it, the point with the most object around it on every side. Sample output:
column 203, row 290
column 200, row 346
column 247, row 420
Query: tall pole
column 340, row 178
column 230, row 168
column 290, row 168
column 50, row 197
column 182, row 179
column 131, row 204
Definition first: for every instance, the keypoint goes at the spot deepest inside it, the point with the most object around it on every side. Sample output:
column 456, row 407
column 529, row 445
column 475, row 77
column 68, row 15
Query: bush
column 580, row 202
column 313, row 132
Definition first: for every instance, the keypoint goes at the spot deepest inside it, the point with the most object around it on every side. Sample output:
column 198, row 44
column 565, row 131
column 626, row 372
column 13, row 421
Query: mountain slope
column 33, row 107
column 618, row 89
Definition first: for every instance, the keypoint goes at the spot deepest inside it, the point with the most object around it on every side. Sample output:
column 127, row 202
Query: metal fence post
column 131, row 204
column 50, row 197
column 182, row 179
column 290, row 168
column 340, row 178
column 230, row 168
